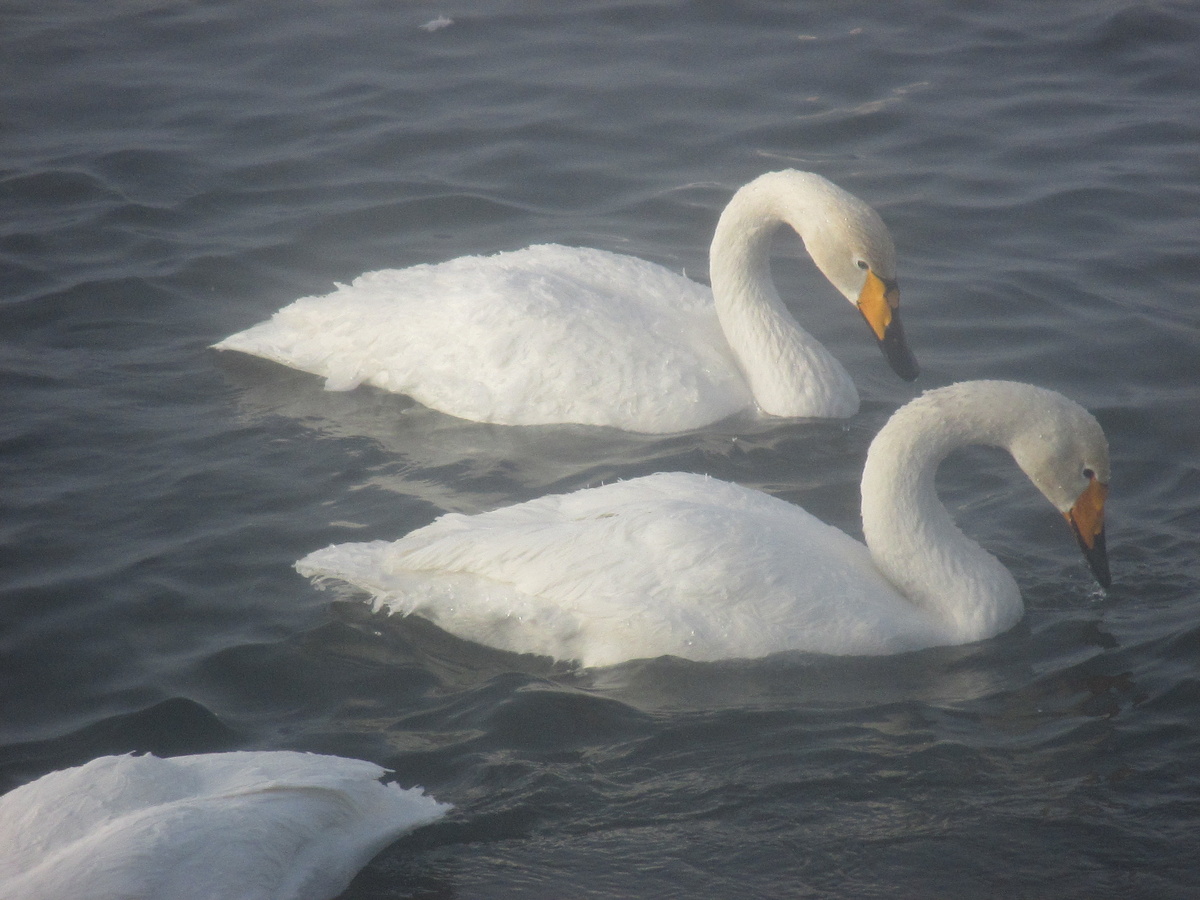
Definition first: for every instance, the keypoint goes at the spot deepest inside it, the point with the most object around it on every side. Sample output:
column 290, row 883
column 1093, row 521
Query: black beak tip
column 903, row 363
column 1097, row 559
column 896, row 352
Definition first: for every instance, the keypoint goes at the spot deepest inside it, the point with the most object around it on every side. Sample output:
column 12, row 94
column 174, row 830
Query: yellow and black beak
column 879, row 302
column 1086, row 519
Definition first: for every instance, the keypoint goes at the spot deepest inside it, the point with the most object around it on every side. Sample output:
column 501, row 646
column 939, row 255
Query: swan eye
column 862, row 264
column 1088, row 474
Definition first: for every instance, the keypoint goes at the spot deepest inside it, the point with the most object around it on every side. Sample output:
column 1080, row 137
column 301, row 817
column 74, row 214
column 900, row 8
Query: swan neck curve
column 912, row 537
column 790, row 372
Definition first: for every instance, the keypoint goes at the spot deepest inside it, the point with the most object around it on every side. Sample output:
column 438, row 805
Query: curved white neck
column 911, row 536
column 789, row 372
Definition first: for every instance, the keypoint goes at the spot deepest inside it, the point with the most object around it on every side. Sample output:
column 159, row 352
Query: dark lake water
column 172, row 172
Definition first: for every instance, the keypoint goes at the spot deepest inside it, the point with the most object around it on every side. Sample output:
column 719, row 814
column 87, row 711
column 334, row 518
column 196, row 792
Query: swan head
column 1062, row 449
column 852, row 247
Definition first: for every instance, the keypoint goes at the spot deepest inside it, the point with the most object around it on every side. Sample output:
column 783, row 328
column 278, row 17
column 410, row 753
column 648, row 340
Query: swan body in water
column 268, row 825
column 554, row 334
column 687, row 565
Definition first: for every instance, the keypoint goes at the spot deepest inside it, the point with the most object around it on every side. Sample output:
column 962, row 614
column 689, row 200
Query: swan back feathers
column 672, row 563
column 500, row 338
column 268, row 825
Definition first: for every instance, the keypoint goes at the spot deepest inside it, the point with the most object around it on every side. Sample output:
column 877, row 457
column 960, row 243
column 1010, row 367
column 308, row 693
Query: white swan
column 554, row 334
column 251, row 825
column 687, row 565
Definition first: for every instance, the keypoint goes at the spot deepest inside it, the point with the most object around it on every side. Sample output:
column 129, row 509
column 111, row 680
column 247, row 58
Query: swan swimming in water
column 268, row 825
column 687, row 565
column 554, row 334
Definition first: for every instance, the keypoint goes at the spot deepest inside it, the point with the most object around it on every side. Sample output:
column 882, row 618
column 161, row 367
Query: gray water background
column 172, row 172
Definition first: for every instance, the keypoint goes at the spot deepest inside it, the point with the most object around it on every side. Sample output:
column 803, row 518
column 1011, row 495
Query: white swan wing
column 541, row 335
column 251, row 824
column 667, row 564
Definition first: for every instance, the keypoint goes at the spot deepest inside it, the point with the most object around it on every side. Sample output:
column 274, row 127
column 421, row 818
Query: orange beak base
column 1086, row 519
column 879, row 302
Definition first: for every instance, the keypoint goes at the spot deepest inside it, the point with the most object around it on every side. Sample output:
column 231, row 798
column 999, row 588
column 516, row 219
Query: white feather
column 687, row 565
column 251, row 825
column 554, row 334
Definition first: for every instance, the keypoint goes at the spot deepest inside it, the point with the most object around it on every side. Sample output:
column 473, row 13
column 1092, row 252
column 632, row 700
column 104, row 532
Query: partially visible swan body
column 252, row 825
column 686, row 565
column 554, row 334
